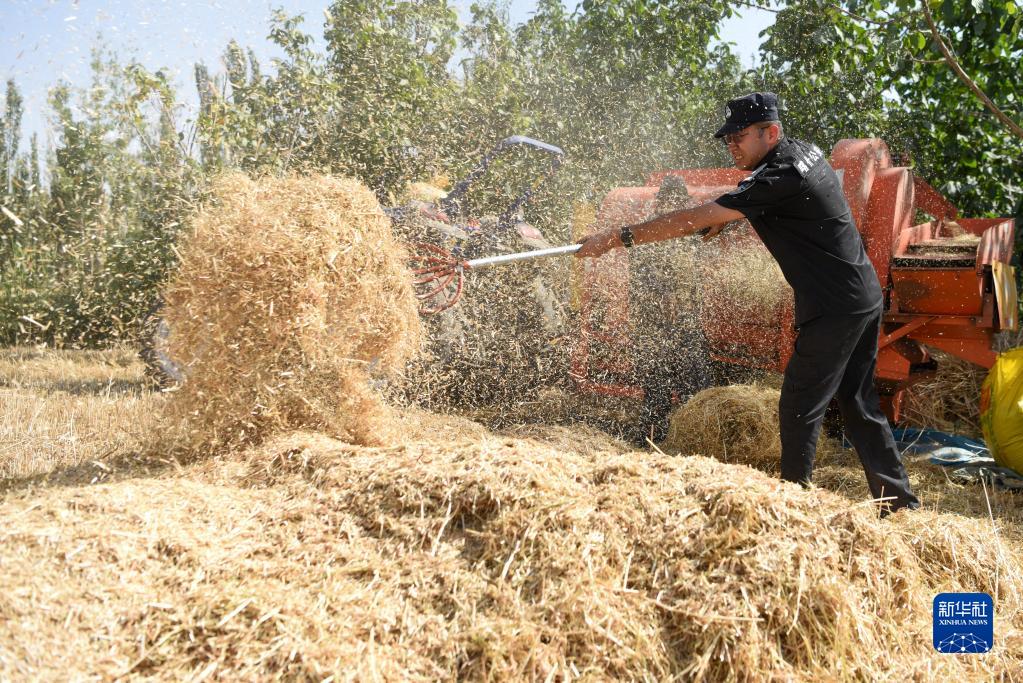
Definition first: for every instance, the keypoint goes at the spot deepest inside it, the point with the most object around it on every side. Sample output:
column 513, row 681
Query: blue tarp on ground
column 915, row 440
column 970, row 459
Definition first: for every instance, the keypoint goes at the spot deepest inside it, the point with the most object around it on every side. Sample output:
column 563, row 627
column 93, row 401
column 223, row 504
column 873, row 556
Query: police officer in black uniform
column 794, row 201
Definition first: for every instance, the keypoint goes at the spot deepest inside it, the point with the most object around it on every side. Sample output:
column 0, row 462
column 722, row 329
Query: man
column 794, row 201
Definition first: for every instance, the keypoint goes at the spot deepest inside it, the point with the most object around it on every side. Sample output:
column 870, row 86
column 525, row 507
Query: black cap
column 742, row 112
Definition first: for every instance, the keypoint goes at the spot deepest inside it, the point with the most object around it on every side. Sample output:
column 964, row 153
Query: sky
column 44, row 41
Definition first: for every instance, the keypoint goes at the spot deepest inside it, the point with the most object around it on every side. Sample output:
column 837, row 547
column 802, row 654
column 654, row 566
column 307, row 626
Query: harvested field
column 537, row 552
column 60, row 409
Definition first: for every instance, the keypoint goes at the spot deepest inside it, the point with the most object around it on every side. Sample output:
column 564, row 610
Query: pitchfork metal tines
column 439, row 275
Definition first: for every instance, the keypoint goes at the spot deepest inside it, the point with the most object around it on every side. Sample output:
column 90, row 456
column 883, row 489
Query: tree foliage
column 90, row 249
column 397, row 90
column 866, row 67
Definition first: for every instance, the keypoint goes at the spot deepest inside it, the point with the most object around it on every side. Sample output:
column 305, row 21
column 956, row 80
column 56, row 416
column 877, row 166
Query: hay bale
column 737, row 423
column 290, row 295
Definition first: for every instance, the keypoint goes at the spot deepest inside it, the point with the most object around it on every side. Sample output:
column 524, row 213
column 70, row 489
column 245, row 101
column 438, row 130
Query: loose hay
column 491, row 558
column 949, row 401
column 290, row 295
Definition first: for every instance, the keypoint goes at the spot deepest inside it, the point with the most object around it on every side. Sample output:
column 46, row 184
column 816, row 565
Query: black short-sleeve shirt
column 794, row 201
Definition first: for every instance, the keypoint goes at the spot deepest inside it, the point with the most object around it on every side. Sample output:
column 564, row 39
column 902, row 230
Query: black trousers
column 835, row 356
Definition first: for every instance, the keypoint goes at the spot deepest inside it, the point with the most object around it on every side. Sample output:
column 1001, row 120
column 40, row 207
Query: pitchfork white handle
column 522, row 256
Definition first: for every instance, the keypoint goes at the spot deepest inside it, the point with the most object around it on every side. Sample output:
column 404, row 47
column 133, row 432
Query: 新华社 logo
column 963, row 623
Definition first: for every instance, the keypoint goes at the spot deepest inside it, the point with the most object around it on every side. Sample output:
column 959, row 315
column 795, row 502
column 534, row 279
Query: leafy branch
column 953, row 64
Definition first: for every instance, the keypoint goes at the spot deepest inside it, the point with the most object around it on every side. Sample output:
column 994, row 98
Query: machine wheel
column 162, row 371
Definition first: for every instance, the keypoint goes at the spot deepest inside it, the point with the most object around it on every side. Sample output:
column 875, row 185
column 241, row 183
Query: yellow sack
column 1001, row 409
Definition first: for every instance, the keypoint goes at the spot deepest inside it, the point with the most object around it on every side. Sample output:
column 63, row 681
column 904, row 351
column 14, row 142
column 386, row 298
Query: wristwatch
column 626, row 236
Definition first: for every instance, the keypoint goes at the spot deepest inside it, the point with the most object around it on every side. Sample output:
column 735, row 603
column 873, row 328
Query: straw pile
column 493, row 557
column 737, row 424
column 949, row 401
column 290, row 295
column 1000, row 509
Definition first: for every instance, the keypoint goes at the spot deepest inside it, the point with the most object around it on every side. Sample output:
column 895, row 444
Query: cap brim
column 728, row 128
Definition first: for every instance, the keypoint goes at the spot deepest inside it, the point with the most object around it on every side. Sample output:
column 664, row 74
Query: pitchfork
column 439, row 274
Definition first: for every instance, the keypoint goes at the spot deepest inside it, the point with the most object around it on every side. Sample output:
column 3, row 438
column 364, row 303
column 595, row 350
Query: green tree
column 390, row 58
column 10, row 135
column 207, row 126
column 96, row 246
column 76, row 179
column 971, row 149
column 624, row 87
column 903, row 71
column 165, row 179
column 303, row 104
column 11, row 131
column 270, row 123
column 830, row 73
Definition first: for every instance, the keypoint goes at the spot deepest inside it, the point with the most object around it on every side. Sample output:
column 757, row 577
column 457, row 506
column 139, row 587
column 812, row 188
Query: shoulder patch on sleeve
column 805, row 159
